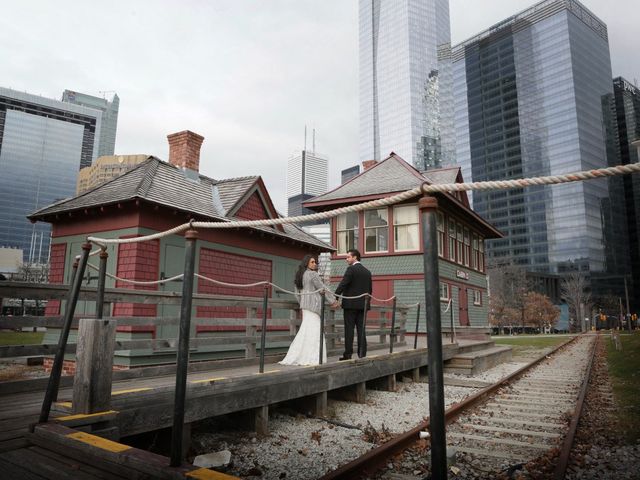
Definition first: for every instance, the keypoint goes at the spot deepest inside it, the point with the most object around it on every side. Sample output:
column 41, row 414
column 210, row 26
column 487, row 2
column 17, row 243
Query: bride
column 305, row 348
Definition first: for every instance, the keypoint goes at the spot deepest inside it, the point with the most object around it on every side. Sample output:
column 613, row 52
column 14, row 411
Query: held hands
column 335, row 304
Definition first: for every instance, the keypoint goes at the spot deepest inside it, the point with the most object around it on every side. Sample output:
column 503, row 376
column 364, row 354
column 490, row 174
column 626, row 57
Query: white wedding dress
column 305, row 348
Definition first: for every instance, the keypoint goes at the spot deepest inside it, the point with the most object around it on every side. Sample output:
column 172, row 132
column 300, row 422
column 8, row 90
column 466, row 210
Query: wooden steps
column 477, row 358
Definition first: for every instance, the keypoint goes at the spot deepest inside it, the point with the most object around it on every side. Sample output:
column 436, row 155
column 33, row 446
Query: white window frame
column 442, row 234
column 407, row 227
column 345, row 231
column 384, row 228
column 477, row 298
column 446, row 290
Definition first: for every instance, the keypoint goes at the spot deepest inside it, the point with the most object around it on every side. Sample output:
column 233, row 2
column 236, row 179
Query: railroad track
column 531, row 415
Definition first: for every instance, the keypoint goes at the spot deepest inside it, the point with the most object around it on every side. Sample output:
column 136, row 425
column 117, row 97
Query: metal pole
column 321, row 349
column 392, row 336
column 102, row 275
column 363, row 335
column 263, row 332
column 415, row 340
column 626, row 296
column 183, row 347
column 453, row 331
column 54, row 379
column 428, row 207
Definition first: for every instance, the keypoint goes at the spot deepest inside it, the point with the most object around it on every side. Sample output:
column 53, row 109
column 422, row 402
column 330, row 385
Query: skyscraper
column 405, row 81
column 109, row 109
column 627, row 109
column 43, row 144
column 532, row 98
column 307, row 176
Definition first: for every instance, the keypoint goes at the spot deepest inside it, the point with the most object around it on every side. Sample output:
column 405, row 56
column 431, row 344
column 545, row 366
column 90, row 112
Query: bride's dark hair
column 301, row 269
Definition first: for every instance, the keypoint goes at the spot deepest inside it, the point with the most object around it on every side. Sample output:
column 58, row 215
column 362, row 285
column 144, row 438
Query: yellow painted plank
column 216, row 379
column 269, row 371
column 99, row 442
column 205, row 474
column 120, row 392
column 64, row 404
column 83, row 415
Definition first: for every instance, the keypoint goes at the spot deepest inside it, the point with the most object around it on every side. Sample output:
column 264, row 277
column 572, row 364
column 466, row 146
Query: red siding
column 252, row 209
column 56, row 274
column 137, row 261
column 230, row 268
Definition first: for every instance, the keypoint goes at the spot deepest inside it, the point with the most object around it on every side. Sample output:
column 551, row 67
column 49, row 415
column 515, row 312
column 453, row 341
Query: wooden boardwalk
column 145, row 404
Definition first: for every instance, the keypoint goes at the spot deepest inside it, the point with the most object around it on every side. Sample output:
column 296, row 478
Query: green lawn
column 624, row 369
column 20, row 338
column 534, row 341
column 527, row 347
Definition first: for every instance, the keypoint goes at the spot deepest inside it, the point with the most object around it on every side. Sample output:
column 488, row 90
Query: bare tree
column 508, row 286
column 575, row 290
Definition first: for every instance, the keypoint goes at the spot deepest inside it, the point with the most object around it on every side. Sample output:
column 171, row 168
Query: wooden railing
column 246, row 339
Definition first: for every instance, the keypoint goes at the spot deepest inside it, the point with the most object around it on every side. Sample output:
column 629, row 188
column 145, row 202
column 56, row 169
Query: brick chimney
column 367, row 164
column 184, row 149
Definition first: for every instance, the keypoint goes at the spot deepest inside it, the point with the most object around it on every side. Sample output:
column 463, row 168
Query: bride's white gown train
column 305, row 348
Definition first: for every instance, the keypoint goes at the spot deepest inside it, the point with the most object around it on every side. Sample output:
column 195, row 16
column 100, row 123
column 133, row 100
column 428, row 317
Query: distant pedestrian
column 355, row 283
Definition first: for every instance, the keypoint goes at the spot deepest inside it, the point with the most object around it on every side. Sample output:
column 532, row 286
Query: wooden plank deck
column 146, row 404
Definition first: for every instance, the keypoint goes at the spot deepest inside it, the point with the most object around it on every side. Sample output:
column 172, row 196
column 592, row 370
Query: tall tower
column 405, row 81
column 307, row 176
column 109, row 109
column 533, row 97
column 43, row 144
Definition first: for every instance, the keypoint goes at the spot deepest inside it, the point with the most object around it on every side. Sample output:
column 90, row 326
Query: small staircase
column 477, row 357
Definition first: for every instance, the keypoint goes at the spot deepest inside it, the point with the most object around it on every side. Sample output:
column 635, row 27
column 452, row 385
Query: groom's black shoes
column 345, row 357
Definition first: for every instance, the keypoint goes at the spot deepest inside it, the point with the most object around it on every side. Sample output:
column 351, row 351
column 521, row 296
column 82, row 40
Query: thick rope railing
column 425, row 188
column 247, row 285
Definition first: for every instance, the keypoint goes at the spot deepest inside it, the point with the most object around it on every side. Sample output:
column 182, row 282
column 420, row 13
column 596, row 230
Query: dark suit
column 356, row 281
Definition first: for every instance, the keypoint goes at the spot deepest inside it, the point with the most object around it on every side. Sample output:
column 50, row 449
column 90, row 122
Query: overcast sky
column 247, row 75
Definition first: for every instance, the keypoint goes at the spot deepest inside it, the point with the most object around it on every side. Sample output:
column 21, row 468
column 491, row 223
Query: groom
column 356, row 281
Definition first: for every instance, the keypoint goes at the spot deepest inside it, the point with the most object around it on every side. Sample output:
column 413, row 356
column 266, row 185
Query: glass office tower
column 43, row 144
column 627, row 110
column 532, row 98
column 109, row 109
column 405, row 81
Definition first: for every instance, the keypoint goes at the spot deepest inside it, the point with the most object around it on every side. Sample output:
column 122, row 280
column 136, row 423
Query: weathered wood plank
column 94, row 365
column 11, row 470
column 47, row 467
column 74, row 464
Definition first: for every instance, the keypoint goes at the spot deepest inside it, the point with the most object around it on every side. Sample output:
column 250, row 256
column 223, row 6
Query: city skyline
column 246, row 97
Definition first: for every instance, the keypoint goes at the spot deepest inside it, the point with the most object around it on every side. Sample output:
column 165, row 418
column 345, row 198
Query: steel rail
column 563, row 458
column 376, row 458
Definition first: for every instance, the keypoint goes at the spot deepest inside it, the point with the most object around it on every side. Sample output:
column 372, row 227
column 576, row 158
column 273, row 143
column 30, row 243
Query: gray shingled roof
column 441, row 175
column 390, row 175
column 164, row 184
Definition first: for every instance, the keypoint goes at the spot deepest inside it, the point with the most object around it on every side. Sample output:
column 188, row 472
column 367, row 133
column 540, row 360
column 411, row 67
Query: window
column 477, row 297
column 460, row 244
column 474, row 256
column 376, row 230
column 452, row 238
column 444, row 292
column 441, row 233
column 481, row 255
column 467, row 247
column 347, row 232
column 406, row 229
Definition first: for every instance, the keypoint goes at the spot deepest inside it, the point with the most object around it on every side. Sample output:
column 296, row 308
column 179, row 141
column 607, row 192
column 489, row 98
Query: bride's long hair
column 301, row 269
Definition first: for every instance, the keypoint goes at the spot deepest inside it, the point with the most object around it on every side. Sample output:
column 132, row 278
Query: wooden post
column 331, row 330
column 383, row 325
column 94, row 365
column 293, row 316
column 250, row 328
column 402, row 325
column 262, row 420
